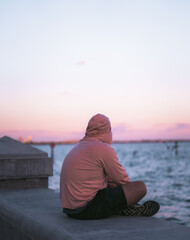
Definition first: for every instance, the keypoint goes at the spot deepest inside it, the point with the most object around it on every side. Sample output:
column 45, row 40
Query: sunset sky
column 61, row 62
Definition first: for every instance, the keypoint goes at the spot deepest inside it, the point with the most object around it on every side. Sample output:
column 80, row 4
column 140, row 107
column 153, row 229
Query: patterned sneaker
column 149, row 208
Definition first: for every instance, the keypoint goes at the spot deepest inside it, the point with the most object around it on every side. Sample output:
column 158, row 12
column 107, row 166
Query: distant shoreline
column 114, row 142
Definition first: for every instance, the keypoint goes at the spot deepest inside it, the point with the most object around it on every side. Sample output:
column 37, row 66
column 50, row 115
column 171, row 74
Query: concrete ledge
column 23, row 166
column 23, row 183
column 36, row 214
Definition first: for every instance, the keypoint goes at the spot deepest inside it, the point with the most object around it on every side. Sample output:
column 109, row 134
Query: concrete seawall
column 36, row 214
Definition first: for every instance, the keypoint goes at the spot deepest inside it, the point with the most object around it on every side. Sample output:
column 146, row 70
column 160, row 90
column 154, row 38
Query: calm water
column 166, row 175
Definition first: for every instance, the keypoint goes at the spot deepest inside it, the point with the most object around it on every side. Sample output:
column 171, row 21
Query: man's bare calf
column 134, row 192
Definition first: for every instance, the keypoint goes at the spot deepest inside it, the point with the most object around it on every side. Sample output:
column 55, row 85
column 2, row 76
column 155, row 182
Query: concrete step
column 36, row 214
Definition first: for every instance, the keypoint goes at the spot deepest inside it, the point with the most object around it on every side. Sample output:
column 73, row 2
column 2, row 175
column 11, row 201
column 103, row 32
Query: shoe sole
column 148, row 209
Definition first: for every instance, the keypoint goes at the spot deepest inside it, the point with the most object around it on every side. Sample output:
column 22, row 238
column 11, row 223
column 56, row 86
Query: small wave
column 177, row 185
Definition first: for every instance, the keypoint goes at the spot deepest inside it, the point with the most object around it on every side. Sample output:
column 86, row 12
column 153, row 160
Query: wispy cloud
column 64, row 93
column 182, row 125
column 80, row 63
column 179, row 126
column 121, row 131
column 120, row 128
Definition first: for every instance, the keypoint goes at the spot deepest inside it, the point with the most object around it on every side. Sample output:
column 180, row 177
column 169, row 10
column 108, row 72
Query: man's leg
column 134, row 192
column 107, row 202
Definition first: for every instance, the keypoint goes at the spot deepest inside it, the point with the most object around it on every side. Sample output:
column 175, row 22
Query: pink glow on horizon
column 121, row 132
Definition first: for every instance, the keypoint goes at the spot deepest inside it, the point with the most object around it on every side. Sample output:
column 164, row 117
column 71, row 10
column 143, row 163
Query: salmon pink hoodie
column 90, row 166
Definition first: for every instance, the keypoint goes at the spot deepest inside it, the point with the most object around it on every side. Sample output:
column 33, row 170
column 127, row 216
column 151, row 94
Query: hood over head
column 99, row 126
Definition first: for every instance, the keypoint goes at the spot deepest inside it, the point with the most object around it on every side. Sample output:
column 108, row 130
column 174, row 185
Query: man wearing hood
column 93, row 184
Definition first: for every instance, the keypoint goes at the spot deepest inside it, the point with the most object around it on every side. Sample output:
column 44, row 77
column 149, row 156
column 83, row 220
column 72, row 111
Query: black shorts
column 107, row 202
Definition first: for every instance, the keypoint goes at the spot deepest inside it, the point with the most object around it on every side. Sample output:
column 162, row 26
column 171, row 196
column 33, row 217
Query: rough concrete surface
column 37, row 214
column 11, row 148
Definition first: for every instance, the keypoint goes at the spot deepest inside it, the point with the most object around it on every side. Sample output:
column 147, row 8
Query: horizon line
column 114, row 141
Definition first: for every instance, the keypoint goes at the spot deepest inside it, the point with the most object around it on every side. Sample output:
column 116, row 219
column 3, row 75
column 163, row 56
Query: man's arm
column 115, row 173
column 110, row 183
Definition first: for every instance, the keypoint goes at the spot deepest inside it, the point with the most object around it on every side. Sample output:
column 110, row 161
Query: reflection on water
column 166, row 174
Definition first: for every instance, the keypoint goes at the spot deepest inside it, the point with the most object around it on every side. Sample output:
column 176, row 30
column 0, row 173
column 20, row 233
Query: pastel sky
column 63, row 61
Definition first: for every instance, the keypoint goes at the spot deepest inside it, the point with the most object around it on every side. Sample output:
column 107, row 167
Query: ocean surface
column 166, row 174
